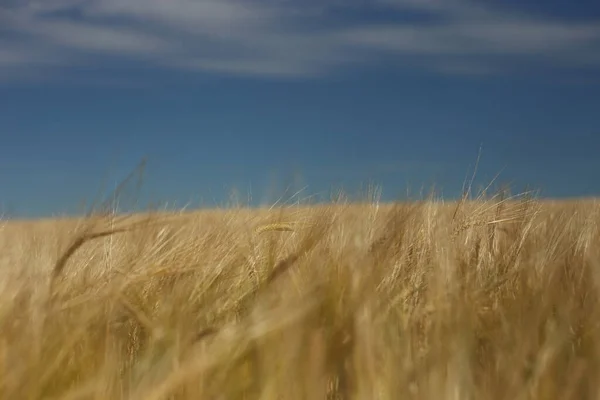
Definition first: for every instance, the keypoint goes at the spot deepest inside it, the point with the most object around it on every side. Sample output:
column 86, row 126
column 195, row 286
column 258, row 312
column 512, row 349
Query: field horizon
column 486, row 298
column 189, row 211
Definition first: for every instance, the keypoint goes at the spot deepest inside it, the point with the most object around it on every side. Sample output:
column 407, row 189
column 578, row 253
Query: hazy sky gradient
column 224, row 93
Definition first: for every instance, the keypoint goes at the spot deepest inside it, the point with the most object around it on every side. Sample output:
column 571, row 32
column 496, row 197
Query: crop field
column 491, row 298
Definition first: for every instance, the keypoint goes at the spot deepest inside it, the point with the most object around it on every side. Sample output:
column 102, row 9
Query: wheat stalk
column 277, row 227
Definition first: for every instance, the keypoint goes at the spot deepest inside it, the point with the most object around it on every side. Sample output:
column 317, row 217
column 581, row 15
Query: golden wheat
column 488, row 299
column 278, row 227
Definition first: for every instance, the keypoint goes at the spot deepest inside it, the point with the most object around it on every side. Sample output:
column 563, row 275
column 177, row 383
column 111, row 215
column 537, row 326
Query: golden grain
column 489, row 299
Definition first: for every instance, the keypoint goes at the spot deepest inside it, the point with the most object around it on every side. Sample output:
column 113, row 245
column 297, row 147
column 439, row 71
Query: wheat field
column 494, row 298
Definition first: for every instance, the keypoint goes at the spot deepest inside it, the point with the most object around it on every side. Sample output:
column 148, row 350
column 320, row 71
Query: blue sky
column 261, row 95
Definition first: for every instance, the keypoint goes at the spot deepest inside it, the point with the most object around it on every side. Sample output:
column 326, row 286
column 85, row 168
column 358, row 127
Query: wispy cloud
column 288, row 37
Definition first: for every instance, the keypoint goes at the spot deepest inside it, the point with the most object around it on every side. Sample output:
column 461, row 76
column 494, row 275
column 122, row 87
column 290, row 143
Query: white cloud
column 476, row 38
column 287, row 37
column 14, row 57
column 92, row 38
column 451, row 8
